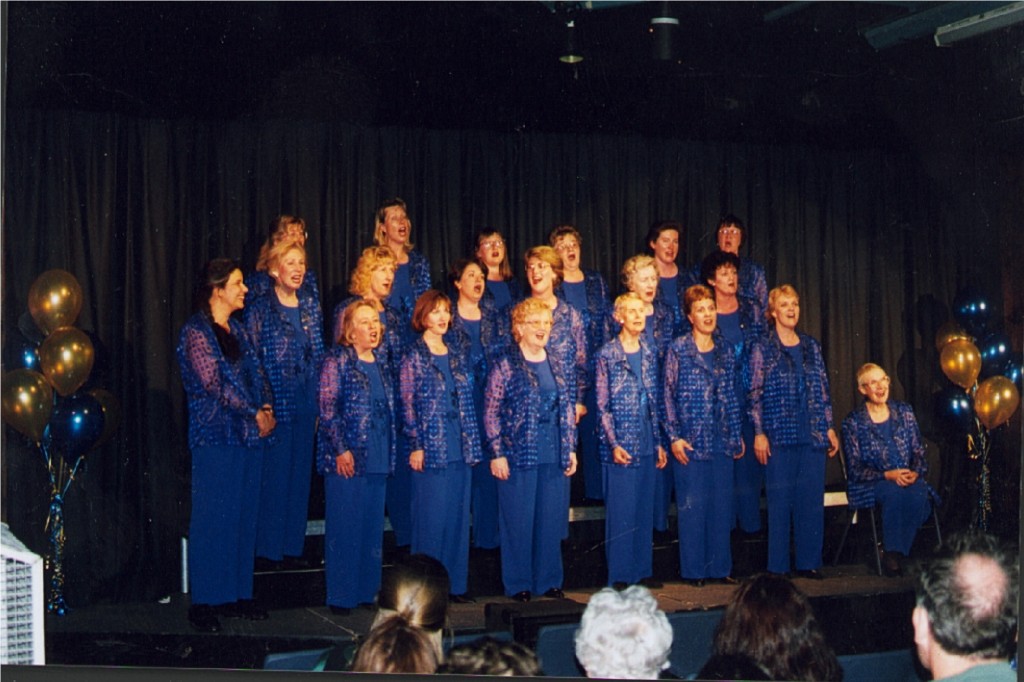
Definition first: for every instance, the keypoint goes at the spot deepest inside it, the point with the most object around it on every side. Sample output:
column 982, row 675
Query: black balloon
column 972, row 311
column 955, row 408
column 995, row 352
column 75, row 425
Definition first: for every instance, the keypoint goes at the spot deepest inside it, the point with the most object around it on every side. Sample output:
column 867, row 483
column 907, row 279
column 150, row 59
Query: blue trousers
column 903, row 512
column 589, row 452
column 704, row 508
column 485, row 507
column 532, row 505
column 353, row 538
column 628, row 527
column 795, row 488
column 440, row 524
column 222, row 531
column 399, row 495
column 284, row 492
column 748, row 476
column 663, row 485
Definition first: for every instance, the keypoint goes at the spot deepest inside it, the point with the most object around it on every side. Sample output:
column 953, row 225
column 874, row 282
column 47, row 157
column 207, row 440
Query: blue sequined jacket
column 223, row 396
column 773, row 391
column 346, row 409
column 752, row 283
column 868, row 456
column 495, row 337
column 425, row 406
column 700, row 402
column 515, row 292
column 568, row 342
column 285, row 356
column 512, row 410
column 620, row 411
column 598, row 323
column 419, row 278
column 684, row 279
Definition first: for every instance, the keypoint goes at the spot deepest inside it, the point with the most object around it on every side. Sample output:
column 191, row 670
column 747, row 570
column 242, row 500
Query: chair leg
column 874, row 537
column 850, row 516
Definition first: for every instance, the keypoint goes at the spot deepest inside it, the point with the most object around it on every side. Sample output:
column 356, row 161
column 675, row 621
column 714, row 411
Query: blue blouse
column 598, row 323
column 381, row 426
column 628, row 402
column 568, row 342
column 547, row 434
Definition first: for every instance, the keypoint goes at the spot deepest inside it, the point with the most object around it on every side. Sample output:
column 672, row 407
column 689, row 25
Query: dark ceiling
column 744, row 71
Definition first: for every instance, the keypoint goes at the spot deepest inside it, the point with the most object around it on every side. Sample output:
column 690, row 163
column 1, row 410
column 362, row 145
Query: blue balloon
column 76, row 425
column 995, row 352
column 955, row 409
column 972, row 311
column 22, row 353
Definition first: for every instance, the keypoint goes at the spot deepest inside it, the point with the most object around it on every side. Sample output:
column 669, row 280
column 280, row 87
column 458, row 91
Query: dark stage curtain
column 133, row 207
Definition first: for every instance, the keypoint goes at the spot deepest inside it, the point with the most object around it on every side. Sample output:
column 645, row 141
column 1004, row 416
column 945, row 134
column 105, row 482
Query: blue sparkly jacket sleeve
column 223, row 396
column 773, row 391
column 284, row 356
column 424, row 406
column 568, row 342
column 620, row 411
column 346, row 410
column 868, row 456
column 700, row 404
column 512, row 411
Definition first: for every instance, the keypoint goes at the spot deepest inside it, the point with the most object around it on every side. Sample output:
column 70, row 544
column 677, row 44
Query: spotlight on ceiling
column 571, row 54
column 664, row 28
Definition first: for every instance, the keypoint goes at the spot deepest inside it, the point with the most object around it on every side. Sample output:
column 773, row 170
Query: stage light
column 664, row 28
column 571, row 54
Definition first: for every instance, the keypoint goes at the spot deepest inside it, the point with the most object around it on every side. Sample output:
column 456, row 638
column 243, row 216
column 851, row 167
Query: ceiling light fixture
column 664, row 28
column 571, row 54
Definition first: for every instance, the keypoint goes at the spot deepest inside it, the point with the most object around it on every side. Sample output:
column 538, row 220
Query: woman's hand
column 499, row 468
column 265, row 421
column 762, row 450
column 901, row 477
column 743, row 449
column 662, row 458
column 571, row 469
column 416, row 460
column 833, row 441
column 679, row 450
column 580, row 411
column 345, row 464
column 620, row 456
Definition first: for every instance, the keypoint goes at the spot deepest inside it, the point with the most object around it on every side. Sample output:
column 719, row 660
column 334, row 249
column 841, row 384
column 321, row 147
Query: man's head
column 966, row 611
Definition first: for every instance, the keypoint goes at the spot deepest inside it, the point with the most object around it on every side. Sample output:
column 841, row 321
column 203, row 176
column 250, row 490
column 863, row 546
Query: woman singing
column 886, row 464
column 791, row 412
column 356, row 446
column 502, row 286
column 230, row 416
column 440, row 425
column 530, row 424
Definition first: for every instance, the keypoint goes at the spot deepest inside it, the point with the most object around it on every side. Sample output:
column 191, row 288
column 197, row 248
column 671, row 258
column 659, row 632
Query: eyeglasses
column 729, row 231
column 566, row 246
column 539, row 266
column 877, row 383
column 492, row 243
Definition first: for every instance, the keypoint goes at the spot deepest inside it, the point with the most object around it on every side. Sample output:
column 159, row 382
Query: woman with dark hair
column 230, row 418
column 356, row 452
column 440, row 424
column 492, row 252
column 752, row 282
column 703, row 424
column 769, row 621
column 663, row 243
column 586, row 291
column 479, row 331
column 286, row 325
column 791, row 413
column 530, row 425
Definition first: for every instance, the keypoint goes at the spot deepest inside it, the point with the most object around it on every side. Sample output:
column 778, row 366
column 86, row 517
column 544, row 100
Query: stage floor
column 860, row 611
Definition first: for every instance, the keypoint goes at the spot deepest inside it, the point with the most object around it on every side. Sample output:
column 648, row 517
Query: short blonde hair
column 634, row 265
column 549, row 256
column 523, row 309
column 347, row 317
column 778, row 292
column 625, row 298
column 372, row 258
column 278, row 231
column 278, row 251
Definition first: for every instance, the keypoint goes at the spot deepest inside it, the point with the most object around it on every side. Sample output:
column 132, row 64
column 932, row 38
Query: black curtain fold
column 132, row 207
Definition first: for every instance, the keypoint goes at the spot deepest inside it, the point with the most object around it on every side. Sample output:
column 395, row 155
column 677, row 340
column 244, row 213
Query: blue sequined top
column 628, row 404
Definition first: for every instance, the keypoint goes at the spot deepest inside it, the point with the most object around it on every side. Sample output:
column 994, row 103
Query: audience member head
column 493, row 253
column 624, row 635
column 731, row 667
column 375, row 259
column 396, row 646
column 488, row 656
column 416, row 590
column 966, row 612
column 770, row 621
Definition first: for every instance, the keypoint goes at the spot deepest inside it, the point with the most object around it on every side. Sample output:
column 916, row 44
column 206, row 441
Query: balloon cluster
column 986, row 374
column 41, row 398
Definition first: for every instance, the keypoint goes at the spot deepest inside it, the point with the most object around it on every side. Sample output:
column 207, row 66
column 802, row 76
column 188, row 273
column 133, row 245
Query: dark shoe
column 339, row 610
column 892, row 566
column 651, row 583
column 809, row 573
column 727, row 580
column 555, row 593
column 693, row 582
column 523, row 596
column 203, row 618
column 460, row 599
column 619, row 586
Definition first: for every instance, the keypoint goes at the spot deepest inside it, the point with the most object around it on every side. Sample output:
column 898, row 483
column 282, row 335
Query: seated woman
column 886, row 464
column 769, row 621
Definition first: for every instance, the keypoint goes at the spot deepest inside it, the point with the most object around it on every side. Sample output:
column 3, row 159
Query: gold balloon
column 995, row 401
column 54, row 300
column 960, row 361
column 949, row 331
column 27, row 402
column 111, row 414
column 66, row 358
